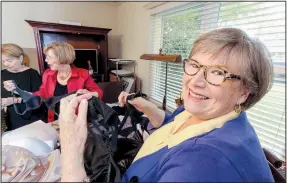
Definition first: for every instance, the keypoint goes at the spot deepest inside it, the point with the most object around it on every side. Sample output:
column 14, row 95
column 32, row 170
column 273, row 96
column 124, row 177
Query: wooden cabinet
column 81, row 37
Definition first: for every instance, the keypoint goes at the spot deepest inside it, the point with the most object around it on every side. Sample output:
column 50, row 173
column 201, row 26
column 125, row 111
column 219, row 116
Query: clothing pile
column 109, row 150
column 29, row 154
column 108, row 155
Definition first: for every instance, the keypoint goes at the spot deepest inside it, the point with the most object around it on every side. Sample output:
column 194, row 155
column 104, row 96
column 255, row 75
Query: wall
column 16, row 30
column 133, row 25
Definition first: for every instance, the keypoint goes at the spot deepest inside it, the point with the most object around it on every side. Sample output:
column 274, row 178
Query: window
column 175, row 31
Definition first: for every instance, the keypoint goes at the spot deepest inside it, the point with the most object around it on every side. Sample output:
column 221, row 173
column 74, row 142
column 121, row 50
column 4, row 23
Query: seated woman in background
column 62, row 77
column 209, row 138
column 26, row 78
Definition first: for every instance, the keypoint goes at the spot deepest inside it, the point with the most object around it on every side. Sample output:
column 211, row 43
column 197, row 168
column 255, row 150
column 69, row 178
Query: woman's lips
column 196, row 96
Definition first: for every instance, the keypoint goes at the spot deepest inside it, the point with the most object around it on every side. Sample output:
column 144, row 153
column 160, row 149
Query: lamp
column 165, row 58
column 161, row 57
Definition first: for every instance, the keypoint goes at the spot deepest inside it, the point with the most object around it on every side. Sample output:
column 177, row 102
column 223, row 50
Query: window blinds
column 176, row 29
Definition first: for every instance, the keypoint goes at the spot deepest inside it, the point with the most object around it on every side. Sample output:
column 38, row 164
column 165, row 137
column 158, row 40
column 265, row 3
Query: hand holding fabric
column 73, row 135
column 9, row 101
column 85, row 91
column 9, row 85
column 139, row 103
column 82, row 91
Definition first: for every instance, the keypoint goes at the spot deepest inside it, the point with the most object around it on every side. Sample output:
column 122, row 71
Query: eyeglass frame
column 47, row 57
column 230, row 77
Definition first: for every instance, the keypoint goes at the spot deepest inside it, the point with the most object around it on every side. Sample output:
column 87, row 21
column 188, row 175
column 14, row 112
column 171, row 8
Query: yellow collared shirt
column 166, row 136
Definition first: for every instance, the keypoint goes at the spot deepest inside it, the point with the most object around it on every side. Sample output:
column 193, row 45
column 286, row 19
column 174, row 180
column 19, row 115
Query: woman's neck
column 191, row 121
column 20, row 69
column 64, row 73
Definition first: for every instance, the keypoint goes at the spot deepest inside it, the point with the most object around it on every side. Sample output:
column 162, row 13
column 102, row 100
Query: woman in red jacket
column 62, row 77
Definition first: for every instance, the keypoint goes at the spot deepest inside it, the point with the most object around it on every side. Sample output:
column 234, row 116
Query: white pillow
column 39, row 130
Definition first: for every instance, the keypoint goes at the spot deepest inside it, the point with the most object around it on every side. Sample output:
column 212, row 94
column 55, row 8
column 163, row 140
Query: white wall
column 16, row 30
column 129, row 22
column 133, row 25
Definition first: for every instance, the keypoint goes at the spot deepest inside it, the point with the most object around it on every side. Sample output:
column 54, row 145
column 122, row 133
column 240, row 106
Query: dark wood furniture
column 81, row 37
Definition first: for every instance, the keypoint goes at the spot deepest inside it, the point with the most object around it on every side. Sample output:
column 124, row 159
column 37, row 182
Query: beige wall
column 129, row 21
column 133, row 25
column 16, row 30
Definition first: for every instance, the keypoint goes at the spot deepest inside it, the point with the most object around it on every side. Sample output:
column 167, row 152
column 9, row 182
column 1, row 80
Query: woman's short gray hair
column 252, row 57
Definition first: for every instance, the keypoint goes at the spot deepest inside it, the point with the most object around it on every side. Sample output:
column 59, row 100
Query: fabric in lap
column 126, row 152
column 107, row 157
column 101, row 142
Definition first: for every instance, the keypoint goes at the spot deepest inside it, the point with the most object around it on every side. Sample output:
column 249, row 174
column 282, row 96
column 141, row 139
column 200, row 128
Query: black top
column 28, row 80
column 59, row 90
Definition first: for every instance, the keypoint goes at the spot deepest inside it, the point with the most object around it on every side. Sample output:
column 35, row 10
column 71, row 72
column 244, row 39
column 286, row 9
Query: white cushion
column 38, row 130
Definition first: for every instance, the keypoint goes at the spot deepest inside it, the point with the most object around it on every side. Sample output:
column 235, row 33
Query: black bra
column 35, row 101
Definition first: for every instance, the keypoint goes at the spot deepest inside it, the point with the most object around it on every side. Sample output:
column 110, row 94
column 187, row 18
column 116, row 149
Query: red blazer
column 80, row 79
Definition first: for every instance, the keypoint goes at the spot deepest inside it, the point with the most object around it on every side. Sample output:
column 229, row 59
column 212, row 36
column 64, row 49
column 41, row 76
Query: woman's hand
column 9, row 85
column 154, row 114
column 122, row 98
column 139, row 103
column 82, row 91
column 73, row 135
column 10, row 100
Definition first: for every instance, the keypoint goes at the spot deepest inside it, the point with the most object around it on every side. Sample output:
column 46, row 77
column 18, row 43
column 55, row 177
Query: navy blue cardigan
column 231, row 153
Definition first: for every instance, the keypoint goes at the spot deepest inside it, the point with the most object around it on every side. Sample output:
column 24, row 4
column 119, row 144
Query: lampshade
column 162, row 57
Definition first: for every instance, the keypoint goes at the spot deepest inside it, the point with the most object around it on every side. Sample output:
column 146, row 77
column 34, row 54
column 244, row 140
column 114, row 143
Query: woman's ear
column 243, row 97
column 21, row 59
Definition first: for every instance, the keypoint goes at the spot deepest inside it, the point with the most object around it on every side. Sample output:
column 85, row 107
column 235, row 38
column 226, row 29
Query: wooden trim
column 41, row 28
column 79, row 29
column 107, row 55
column 162, row 57
column 39, row 50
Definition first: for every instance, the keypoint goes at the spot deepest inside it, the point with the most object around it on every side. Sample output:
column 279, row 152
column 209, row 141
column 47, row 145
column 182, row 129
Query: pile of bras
column 29, row 155
column 106, row 156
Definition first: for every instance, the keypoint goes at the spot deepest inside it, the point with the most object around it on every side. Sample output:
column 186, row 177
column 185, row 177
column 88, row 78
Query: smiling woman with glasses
column 209, row 138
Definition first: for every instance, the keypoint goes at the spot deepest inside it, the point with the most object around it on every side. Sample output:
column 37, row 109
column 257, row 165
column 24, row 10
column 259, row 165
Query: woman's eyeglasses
column 214, row 75
column 50, row 58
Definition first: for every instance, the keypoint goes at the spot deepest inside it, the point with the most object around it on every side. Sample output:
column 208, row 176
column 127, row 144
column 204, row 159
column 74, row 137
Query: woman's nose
column 198, row 79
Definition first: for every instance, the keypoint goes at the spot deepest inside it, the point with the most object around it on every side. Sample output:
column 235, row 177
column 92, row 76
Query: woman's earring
column 237, row 108
column 179, row 101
